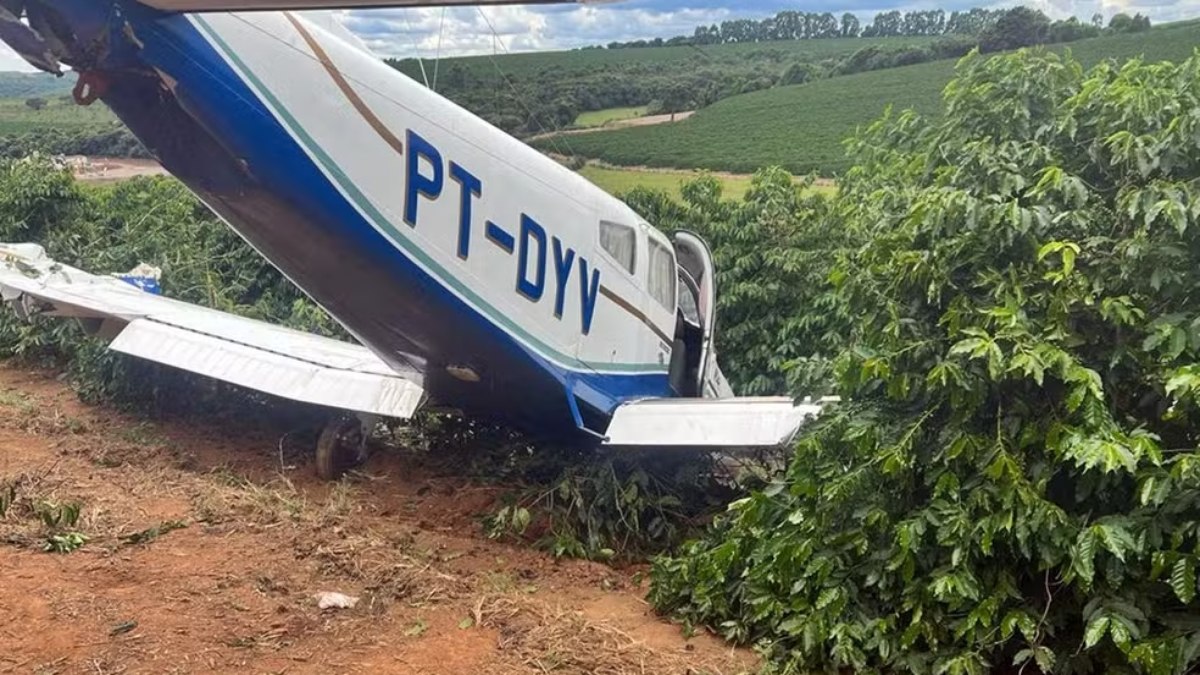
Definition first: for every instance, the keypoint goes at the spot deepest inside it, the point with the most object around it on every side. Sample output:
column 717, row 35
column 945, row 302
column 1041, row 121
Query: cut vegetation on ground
column 802, row 127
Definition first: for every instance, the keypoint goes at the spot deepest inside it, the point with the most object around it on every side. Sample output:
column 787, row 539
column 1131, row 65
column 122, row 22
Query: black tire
column 339, row 448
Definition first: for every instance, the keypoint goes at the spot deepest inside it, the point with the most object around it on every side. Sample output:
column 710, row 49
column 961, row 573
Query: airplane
column 472, row 270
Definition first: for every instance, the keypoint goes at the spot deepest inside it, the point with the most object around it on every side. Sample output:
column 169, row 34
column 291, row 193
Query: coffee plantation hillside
column 1012, row 482
column 802, row 127
column 523, row 93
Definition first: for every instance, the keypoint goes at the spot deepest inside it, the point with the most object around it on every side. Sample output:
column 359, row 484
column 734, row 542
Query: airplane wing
column 253, row 5
column 249, row 353
column 710, row 423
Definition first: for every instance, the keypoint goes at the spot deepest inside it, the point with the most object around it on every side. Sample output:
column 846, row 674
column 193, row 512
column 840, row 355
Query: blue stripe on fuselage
column 235, row 114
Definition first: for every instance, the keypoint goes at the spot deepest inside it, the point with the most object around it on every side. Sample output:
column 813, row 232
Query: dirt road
column 204, row 553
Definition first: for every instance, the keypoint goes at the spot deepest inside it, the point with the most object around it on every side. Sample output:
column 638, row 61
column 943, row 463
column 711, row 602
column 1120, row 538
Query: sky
column 429, row 33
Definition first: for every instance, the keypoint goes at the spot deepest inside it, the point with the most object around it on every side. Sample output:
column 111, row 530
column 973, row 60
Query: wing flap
column 254, row 5
column 268, row 372
column 704, row 423
column 246, row 352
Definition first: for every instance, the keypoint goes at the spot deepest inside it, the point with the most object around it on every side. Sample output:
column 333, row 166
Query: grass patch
column 599, row 118
column 59, row 113
column 28, row 85
column 617, row 181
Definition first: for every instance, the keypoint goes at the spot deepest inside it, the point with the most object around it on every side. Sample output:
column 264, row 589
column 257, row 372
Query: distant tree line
column 793, row 25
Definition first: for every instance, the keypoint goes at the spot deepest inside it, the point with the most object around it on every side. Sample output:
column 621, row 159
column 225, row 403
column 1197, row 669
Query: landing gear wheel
column 341, row 447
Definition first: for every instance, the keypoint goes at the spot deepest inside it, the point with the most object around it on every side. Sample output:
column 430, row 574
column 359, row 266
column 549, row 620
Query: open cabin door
column 698, row 301
column 704, row 414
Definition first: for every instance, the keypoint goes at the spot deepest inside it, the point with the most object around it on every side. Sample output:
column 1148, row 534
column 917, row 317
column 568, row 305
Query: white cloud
column 461, row 31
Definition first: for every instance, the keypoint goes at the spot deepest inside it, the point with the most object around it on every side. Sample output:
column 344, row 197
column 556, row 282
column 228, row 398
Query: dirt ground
column 206, row 546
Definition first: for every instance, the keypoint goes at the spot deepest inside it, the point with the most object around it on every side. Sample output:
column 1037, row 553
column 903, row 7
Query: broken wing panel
column 253, row 354
column 715, row 423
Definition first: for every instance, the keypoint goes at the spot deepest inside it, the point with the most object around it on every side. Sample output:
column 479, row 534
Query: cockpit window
column 620, row 241
column 662, row 275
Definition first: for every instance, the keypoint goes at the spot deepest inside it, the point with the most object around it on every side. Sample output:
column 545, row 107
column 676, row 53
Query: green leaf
column 1044, row 659
column 1029, row 365
column 1183, row 579
column 827, row 597
column 520, row 520
column 1120, row 633
column 1083, row 555
column 1116, row 539
column 1015, row 619
column 1095, row 631
column 1179, row 340
column 1068, row 259
column 974, row 346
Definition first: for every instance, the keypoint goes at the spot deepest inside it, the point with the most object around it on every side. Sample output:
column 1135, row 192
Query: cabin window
column 620, row 241
column 662, row 275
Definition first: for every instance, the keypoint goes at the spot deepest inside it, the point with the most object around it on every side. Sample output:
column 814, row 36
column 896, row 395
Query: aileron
column 709, row 423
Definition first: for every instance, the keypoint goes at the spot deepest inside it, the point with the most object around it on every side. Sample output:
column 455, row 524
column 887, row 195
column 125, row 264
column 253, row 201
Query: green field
column 802, row 127
column 60, row 113
column 617, row 181
column 598, row 118
column 27, row 85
